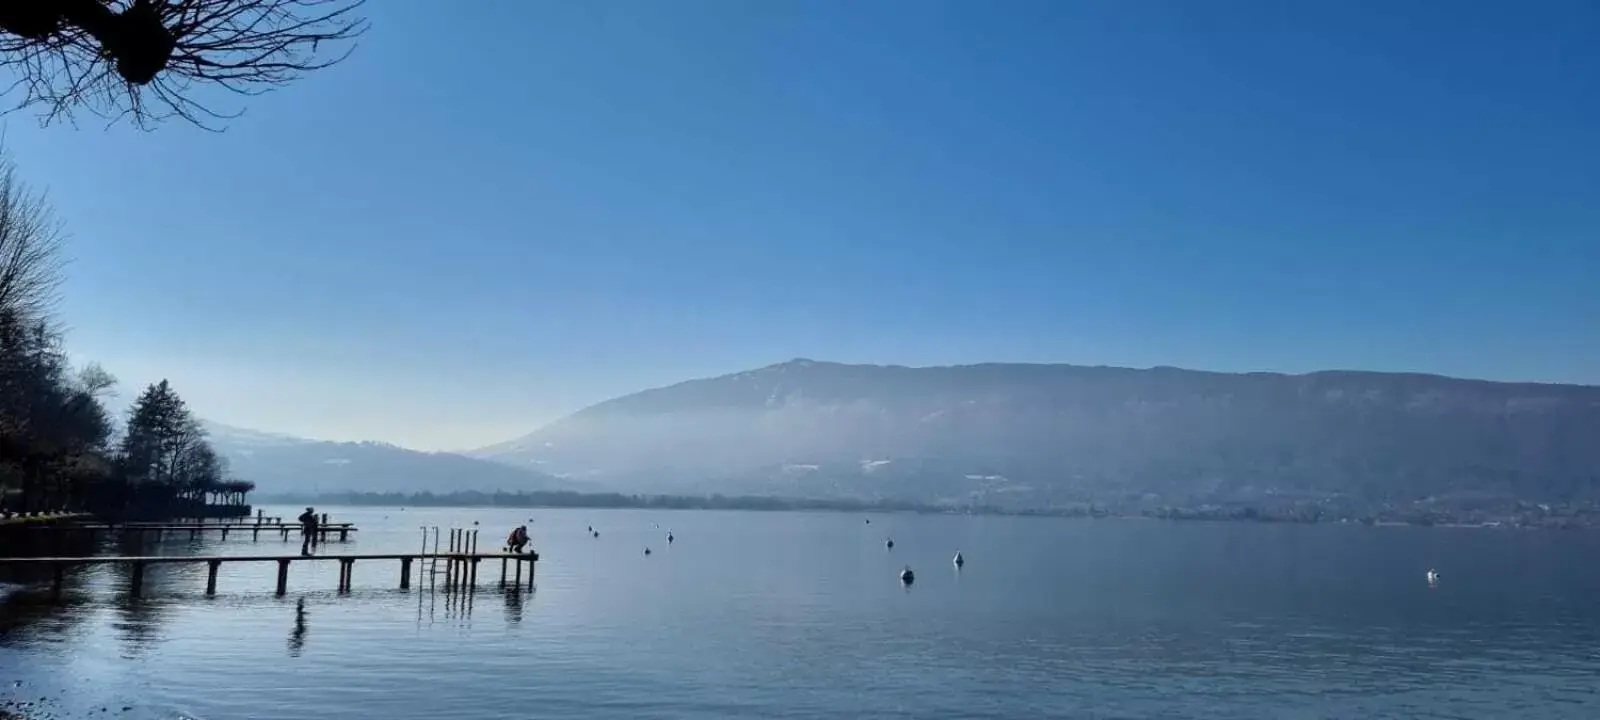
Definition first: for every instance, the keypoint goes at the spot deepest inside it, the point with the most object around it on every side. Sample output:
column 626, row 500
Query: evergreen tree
column 159, row 431
column 164, row 452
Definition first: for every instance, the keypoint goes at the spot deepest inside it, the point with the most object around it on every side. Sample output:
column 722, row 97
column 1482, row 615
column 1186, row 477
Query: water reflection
column 138, row 625
column 458, row 605
column 513, row 598
column 29, row 607
column 297, row 636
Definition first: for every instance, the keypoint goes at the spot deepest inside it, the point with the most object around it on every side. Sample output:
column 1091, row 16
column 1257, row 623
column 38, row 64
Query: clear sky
column 490, row 217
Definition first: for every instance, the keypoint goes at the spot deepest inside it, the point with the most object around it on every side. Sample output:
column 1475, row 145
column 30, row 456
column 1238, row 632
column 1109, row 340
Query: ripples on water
column 801, row 615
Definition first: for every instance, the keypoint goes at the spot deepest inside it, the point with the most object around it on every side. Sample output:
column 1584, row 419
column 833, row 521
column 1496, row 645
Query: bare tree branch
column 30, row 249
column 143, row 59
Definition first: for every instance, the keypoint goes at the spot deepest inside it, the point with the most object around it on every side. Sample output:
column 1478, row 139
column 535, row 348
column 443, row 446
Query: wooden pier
column 284, row 530
column 461, row 573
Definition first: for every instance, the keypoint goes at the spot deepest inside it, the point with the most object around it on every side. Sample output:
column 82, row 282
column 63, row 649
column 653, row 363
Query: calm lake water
column 802, row 615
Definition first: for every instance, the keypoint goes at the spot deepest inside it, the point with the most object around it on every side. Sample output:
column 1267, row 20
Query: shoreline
column 787, row 505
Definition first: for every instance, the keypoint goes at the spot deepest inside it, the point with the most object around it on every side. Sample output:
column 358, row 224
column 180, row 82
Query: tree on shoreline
column 53, row 426
column 164, row 452
column 56, row 448
column 144, row 59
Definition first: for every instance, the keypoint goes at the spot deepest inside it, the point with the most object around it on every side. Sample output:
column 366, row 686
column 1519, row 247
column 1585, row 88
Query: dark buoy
column 647, row 551
column 889, row 543
column 669, row 537
column 908, row 577
column 959, row 561
column 597, row 533
column 869, row 521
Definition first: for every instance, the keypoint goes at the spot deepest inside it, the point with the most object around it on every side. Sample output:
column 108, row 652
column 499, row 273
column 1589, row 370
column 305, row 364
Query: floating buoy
column 669, row 537
column 959, row 561
column 889, row 544
column 1433, row 576
column 647, row 551
column 908, row 577
column 597, row 533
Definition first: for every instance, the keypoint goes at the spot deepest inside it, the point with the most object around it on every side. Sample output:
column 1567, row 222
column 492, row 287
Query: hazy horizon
column 449, row 249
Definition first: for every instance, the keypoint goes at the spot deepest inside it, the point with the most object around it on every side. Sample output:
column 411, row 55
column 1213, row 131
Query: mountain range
column 1017, row 435
column 1043, row 435
column 283, row 464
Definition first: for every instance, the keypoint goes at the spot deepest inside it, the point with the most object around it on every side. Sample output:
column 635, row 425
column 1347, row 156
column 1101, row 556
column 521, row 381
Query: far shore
column 577, row 501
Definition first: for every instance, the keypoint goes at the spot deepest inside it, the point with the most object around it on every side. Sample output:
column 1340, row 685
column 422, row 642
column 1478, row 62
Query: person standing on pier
column 308, row 531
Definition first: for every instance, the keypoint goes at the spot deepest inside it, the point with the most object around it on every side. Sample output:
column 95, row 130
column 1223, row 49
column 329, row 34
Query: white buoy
column 1433, row 576
column 908, row 577
column 959, row 561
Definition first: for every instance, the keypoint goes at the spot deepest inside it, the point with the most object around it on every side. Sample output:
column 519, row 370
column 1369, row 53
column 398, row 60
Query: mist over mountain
column 285, row 464
column 1036, row 435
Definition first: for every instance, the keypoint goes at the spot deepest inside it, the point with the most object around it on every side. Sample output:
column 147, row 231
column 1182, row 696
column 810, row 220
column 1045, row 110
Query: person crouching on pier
column 518, row 539
column 308, row 531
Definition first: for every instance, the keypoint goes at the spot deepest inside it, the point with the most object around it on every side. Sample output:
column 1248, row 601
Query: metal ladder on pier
column 462, row 542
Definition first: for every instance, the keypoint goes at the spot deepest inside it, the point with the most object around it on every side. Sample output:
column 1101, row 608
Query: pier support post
column 60, row 578
column 283, row 577
column 255, row 535
column 472, row 575
column 136, row 583
column 211, row 576
column 503, row 567
column 450, row 564
column 518, row 581
column 531, row 564
column 345, row 568
column 405, row 573
column 224, row 533
column 344, row 534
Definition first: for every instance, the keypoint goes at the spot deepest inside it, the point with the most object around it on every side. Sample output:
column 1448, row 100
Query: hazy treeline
column 568, row 499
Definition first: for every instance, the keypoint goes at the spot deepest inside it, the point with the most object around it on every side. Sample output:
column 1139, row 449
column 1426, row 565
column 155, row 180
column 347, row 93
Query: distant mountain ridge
column 1033, row 434
column 284, row 464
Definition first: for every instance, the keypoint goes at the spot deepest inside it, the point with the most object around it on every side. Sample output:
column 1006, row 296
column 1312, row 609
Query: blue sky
column 483, row 221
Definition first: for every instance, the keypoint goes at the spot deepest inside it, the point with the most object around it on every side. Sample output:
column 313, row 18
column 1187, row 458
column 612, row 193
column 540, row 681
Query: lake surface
column 802, row 615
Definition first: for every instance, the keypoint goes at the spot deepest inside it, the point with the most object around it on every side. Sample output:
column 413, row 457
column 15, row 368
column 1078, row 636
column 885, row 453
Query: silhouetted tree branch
column 144, row 58
column 30, row 249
